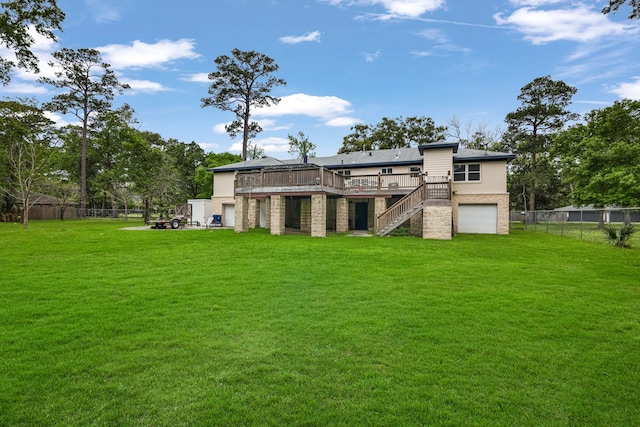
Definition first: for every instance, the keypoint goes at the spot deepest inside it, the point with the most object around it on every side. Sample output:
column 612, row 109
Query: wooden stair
column 401, row 211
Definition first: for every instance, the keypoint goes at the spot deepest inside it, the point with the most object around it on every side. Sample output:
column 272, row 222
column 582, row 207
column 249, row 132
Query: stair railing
column 401, row 207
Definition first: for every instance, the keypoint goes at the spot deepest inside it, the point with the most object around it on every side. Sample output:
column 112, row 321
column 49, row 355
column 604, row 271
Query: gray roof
column 370, row 158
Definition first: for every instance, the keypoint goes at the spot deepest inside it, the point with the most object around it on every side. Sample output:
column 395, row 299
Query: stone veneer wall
column 319, row 215
column 305, row 215
column 502, row 200
column 278, row 210
column 379, row 207
column 242, row 215
column 342, row 215
column 436, row 222
column 254, row 213
column 267, row 213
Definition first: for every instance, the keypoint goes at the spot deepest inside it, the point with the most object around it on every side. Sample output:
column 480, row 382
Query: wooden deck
column 313, row 179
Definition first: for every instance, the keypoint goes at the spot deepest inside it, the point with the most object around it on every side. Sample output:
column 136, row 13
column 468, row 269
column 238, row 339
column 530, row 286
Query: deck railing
column 309, row 176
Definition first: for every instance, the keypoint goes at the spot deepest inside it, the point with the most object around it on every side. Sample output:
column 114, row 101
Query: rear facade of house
column 435, row 191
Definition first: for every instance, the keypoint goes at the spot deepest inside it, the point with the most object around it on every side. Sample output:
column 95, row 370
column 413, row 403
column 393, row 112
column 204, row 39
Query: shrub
column 621, row 238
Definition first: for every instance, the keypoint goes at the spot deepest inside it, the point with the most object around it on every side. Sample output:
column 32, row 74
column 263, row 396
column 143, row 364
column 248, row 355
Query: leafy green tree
column 153, row 174
column 301, row 146
column 91, row 86
column 393, row 133
column 615, row 5
column 241, row 83
column 26, row 136
column 543, row 112
column 111, row 142
column 601, row 159
column 186, row 158
column 551, row 192
column 16, row 17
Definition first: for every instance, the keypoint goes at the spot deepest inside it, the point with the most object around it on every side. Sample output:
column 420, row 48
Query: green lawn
column 103, row 326
column 589, row 231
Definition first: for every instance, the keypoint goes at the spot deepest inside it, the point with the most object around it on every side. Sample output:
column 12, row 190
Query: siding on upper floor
column 438, row 162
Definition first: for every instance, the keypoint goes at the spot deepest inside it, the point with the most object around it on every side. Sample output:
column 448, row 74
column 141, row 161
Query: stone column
column 242, row 215
column 267, row 212
column 278, row 209
column 379, row 208
column 305, row 215
column 342, row 215
column 503, row 214
column 319, row 215
column 254, row 213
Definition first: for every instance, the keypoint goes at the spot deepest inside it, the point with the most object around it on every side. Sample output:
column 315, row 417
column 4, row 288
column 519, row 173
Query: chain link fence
column 578, row 223
column 122, row 214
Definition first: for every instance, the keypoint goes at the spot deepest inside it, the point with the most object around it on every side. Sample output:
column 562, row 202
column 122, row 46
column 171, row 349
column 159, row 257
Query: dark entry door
column 362, row 216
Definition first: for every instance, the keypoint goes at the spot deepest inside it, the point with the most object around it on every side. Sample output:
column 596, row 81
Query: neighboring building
column 436, row 189
column 590, row 213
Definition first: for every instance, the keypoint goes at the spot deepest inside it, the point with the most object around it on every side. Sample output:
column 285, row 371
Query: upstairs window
column 466, row 172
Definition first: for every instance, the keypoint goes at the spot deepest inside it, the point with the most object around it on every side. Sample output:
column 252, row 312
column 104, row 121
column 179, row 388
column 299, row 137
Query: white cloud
column 265, row 124
column 342, row 122
column 434, row 35
column 103, row 11
column 143, row 85
column 371, row 57
column 23, row 88
column 396, row 8
column 59, row 120
column 534, row 2
column 422, row 53
column 197, row 78
column 144, row 55
column 209, row 146
column 269, row 145
column 309, row 37
column 272, row 125
column 627, row 90
column 580, row 23
column 322, row 107
column 333, row 111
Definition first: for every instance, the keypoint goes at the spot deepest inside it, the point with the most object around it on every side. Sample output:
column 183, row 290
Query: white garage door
column 481, row 219
column 229, row 218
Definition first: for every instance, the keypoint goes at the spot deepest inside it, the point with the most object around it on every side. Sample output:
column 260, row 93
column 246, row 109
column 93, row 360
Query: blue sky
column 347, row 61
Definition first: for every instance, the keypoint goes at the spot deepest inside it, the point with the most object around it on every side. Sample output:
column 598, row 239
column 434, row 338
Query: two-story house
column 436, row 189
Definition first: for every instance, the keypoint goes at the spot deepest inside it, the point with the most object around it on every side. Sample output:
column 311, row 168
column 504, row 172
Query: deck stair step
column 401, row 211
column 400, row 219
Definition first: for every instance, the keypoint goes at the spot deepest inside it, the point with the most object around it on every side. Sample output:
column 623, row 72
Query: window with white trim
column 387, row 171
column 466, row 172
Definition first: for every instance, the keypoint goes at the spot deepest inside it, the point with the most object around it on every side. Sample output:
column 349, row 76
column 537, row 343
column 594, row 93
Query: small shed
column 201, row 211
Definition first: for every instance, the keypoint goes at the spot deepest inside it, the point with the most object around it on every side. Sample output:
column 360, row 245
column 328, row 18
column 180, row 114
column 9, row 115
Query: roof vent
column 370, row 154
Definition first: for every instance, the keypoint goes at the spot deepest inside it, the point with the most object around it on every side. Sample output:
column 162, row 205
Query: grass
column 588, row 231
column 102, row 326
